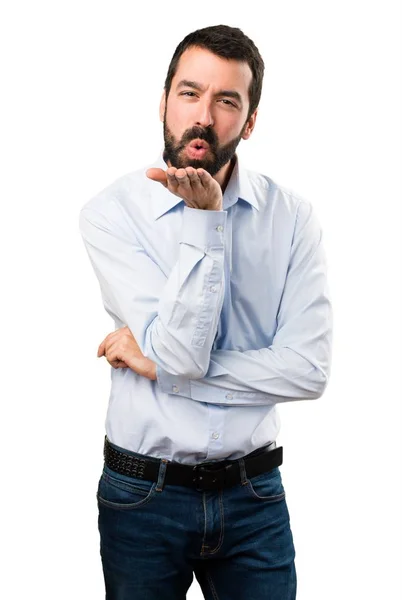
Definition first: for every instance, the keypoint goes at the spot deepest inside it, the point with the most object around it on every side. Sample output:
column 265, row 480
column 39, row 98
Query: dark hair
column 227, row 42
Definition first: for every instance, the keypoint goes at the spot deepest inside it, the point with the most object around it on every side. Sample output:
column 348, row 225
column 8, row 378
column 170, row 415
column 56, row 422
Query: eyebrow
column 198, row 87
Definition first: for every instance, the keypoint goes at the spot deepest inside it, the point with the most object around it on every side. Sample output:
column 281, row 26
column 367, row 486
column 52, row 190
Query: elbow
column 310, row 375
column 318, row 384
column 196, row 365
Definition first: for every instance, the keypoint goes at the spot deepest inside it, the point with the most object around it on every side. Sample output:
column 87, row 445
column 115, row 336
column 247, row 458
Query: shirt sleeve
column 297, row 364
column 173, row 318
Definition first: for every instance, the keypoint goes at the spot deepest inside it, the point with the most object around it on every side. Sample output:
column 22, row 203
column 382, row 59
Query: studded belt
column 202, row 476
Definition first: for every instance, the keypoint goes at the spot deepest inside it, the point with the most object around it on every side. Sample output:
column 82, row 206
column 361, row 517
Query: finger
column 106, row 342
column 103, row 346
column 114, row 354
column 194, row 178
column 190, row 203
column 182, row 178
column 171, row 172
column 157, row 175
column 119, row 357
column 195, row 184
column 114, row 363
column 171, row 179
column 119, row 364
column 204, row 176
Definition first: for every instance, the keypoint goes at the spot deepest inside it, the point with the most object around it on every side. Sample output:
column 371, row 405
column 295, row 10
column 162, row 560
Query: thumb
column 157, row 175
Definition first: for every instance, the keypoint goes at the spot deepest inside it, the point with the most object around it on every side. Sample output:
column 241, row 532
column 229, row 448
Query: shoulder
column 273, row 196
column 126, row 187
column 120, row 202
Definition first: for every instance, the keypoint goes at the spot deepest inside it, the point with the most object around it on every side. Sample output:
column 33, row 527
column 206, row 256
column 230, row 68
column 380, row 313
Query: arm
column 297, row 364
column 173, row 319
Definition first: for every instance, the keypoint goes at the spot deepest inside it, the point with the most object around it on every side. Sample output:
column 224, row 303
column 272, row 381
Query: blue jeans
column 237, row 540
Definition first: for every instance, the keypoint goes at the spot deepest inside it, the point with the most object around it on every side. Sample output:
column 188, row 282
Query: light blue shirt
column 233, row 306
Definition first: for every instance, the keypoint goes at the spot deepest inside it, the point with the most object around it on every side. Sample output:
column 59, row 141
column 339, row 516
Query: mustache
column 208, row 135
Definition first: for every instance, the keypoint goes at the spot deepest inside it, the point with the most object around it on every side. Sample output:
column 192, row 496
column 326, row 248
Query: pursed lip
column 197, row 143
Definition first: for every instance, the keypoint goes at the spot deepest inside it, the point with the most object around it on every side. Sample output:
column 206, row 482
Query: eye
column 228, row 102
column 189, row 94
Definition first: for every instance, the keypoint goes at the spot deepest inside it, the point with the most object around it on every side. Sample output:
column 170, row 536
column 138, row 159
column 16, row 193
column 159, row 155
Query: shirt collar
column 238, row 188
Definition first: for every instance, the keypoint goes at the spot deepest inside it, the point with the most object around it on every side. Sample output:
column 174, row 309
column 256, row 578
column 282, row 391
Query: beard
column 218, row 155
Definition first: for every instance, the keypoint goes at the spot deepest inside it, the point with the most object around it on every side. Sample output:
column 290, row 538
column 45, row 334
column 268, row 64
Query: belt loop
column 161, row 475
column 243, row 475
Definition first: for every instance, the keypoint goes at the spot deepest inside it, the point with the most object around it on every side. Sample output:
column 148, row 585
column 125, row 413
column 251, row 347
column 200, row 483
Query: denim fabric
column 236, row 541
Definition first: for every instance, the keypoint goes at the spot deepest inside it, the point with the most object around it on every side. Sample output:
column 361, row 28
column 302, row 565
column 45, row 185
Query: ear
column 162, row 106
column 250, row 125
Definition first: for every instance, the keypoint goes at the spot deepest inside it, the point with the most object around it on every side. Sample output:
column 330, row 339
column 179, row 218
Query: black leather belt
column 203, row 476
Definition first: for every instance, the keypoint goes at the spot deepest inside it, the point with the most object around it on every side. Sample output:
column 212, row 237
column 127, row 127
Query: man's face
column 205, row 115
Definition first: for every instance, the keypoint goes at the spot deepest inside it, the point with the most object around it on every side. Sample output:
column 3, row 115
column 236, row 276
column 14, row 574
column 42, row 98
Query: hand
column 122, row 351
column 196, row 187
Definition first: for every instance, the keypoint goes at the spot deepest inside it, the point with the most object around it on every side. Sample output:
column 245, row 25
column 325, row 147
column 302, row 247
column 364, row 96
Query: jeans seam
column 274, row 498
column 211, row 586
column 205, row 523
column 129, row 506
column 222, row 527
column 222, row 515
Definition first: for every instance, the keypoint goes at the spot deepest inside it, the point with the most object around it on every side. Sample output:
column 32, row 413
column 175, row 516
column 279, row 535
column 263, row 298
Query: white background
column 81, row 84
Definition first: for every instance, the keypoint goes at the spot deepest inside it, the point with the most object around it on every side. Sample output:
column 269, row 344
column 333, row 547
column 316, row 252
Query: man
column 215, row 278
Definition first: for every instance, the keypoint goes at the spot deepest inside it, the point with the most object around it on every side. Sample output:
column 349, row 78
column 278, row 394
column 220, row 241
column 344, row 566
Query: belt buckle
column 209, row 479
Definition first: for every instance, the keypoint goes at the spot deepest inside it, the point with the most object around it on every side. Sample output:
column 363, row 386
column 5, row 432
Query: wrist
column 216, row 206
column 152, row 371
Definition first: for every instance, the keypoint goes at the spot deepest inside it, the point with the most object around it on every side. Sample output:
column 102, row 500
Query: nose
column 204, row 117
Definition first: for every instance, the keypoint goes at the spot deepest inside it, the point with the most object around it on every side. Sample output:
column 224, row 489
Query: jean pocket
column 267, row 486
column 121, row 492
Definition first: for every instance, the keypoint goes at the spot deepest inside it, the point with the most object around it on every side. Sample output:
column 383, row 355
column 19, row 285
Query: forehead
column 210, row 70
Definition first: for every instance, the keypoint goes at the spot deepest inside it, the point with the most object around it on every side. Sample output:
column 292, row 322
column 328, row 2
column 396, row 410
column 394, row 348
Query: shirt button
column 213, row 288
column 215, row 435
column 229, row 396
column 219, row 228
column 175, row 389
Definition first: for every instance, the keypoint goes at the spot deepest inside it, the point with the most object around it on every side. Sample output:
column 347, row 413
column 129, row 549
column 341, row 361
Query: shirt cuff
column 172, row 384
column 203, row 228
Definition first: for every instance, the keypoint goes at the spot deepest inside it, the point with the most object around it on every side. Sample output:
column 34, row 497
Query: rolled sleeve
column 297, row 364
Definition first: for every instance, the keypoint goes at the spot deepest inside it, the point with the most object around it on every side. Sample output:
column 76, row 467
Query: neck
column 223, row 176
